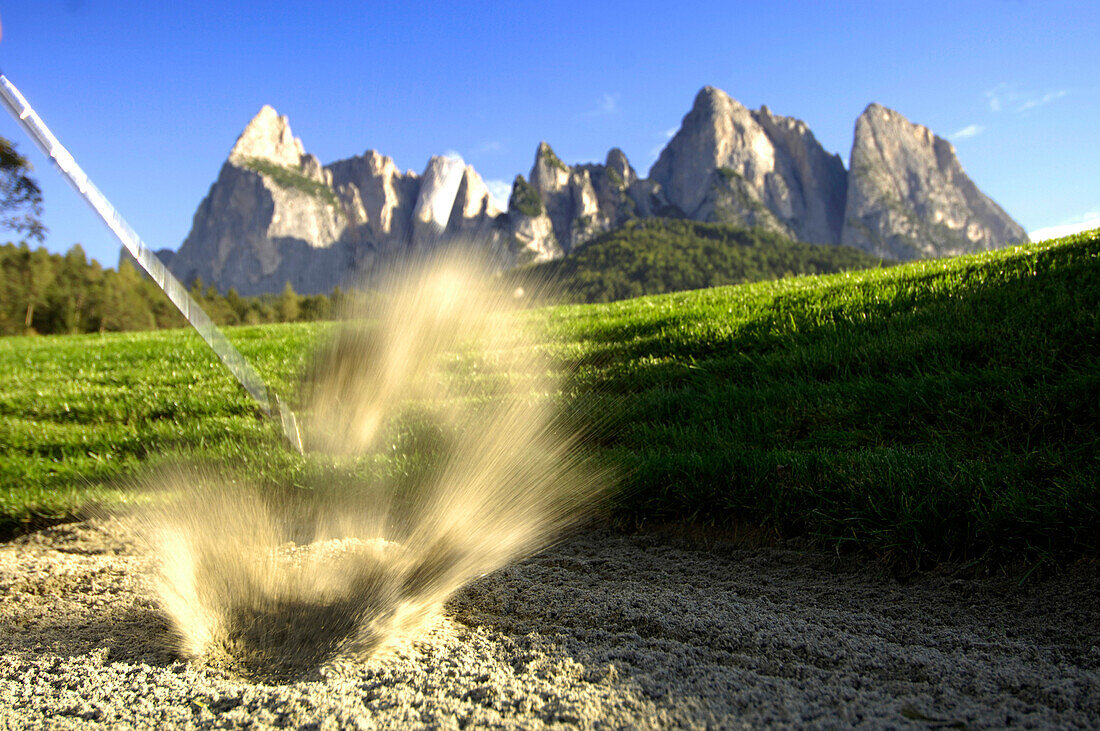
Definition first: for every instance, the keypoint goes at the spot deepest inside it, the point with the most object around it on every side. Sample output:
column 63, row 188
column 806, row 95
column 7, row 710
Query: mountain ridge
column 276, row 214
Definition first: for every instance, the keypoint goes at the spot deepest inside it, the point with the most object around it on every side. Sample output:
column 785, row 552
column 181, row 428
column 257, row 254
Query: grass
column 79, row 412
column 940, row 409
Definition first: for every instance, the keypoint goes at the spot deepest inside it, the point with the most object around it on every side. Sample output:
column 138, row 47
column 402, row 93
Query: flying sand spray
column 435, row 453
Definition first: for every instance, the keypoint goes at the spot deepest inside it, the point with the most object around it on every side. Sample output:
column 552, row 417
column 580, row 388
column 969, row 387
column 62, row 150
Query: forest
column 47, row 294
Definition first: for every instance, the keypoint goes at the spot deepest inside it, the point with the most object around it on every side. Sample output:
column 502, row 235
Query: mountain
column 731, row 165
column 276, row 214
column 908, row 197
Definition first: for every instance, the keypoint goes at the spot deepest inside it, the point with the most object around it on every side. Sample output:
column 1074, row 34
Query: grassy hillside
column 941, row 408
column 947, row 407
column 80, row 411
column 657, row 255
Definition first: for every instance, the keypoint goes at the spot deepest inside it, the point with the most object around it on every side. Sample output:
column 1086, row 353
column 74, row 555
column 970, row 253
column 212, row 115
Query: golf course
column 868, row 496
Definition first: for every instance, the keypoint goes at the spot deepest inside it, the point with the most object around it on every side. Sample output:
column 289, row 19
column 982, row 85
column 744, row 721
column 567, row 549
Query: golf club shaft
column 63, row 160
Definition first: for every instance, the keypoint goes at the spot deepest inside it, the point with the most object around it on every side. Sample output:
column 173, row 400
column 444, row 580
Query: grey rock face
column 268, row 137
column 909, row 198
column 533, row 240
column 771, row 171
column 613, row 182
column 266, row 219
column 583, row 201
column 559, row 190
column 817, row 181
column 529, row 227
column 275, row 214
column 438, row 190
column 384, row 194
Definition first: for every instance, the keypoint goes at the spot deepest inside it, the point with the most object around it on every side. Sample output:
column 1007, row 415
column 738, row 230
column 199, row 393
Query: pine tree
column 287, row 306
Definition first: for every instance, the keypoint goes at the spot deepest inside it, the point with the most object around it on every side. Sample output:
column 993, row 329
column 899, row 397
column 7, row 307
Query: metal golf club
column 33, row 125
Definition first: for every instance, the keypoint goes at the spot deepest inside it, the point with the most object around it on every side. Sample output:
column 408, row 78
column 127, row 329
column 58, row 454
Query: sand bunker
column 603, row 629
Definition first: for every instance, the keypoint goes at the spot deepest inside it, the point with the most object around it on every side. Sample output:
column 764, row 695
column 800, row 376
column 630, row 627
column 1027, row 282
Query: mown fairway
column 940, row 409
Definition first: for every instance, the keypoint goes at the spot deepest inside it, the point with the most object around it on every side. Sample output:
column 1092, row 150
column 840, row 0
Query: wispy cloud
column 971, row 130
column 608, row 104
column 1008, row 96
column 1040, row 101
column 1084, row 222
column 500, row 190
column 454, row 155
column 655, row 152
column 999, row 95
column 491, row 146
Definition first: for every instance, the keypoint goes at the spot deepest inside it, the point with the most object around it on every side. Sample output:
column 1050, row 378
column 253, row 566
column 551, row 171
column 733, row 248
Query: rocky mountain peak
column 878, row 120
column 438, row 188
column 908, row 196
column 732, row 165
column 617, row 162
column 711, row 100
column 789, row 125
column 473, row 200
column 548, row 174
column 276, row 214
column 268, row 137
column 874, row 109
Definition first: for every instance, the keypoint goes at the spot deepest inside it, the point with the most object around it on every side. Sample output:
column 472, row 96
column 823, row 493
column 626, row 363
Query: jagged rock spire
column 268, row 137
column 908, row 196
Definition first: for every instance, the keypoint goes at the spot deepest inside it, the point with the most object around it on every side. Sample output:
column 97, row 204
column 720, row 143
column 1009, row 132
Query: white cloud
column 971, row 130
column 1040, row 101
column 655, row 151
column 608, row 104
column 500, row 190
column 1005, row 95
column 1084, row 222
column 454, row 155
column 491, row 146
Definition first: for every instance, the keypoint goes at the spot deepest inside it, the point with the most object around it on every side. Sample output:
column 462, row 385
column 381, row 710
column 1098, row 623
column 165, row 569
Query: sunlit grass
column 940, row 408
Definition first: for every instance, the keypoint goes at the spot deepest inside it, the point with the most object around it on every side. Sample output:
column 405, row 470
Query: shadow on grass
column 938, row 415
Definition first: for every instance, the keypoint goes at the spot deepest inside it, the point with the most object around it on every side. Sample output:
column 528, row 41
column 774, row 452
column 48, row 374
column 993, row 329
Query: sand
column 604, row 630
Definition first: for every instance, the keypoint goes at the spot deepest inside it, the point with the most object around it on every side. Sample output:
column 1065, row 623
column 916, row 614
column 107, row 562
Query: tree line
column 49, row 293
column 67, row 293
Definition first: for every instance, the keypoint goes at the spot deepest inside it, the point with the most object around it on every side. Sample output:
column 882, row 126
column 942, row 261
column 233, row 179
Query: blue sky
column 150, row 96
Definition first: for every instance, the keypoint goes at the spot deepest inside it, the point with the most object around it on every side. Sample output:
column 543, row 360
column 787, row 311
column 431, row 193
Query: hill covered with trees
column 657, row 255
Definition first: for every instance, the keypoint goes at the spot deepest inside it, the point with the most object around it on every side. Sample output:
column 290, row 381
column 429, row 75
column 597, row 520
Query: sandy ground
column 604, row 630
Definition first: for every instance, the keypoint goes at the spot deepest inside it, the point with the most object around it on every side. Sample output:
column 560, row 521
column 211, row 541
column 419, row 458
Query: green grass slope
column 78, row 412
column 658, row 255
column 940, row 408
column 947, row 408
